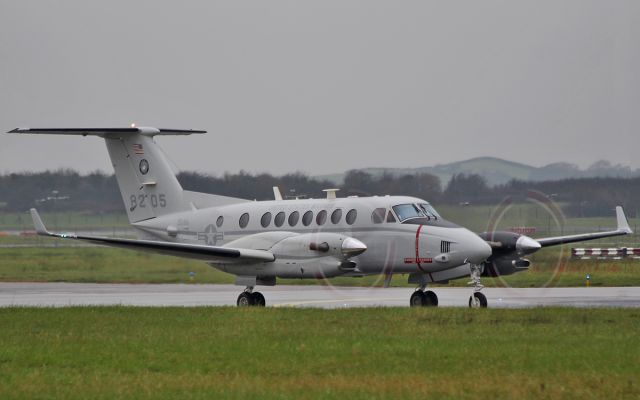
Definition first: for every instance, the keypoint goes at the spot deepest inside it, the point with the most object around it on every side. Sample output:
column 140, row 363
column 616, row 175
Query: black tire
column 417, row 299
column 258, row 299
column 430, row 299
column 478, row 300
column 245, row 300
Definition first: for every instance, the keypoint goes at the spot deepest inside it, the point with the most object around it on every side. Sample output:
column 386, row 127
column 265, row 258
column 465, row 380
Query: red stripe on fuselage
column 418, row 248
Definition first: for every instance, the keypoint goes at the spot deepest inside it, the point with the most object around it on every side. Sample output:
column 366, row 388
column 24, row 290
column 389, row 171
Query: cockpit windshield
column 429, row 210
column 406, row 211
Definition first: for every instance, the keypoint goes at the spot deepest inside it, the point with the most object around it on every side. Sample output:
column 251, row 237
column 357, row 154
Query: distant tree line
column 67, row 190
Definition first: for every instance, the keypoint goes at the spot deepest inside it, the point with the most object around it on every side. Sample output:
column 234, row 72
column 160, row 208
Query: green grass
column 114, row 265
column 99, row 264
column 477, row 218
column 66, row 220
column 168, row 353
column 473, row 217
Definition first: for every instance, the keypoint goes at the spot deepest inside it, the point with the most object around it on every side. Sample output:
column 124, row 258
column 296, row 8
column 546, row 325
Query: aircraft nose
column 479, row 250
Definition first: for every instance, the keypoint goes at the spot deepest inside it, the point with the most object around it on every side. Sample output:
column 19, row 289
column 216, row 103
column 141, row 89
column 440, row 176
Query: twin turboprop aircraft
column 260, row 241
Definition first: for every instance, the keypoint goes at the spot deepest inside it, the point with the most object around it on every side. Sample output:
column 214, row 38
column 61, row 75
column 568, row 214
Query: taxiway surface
column 163, row 295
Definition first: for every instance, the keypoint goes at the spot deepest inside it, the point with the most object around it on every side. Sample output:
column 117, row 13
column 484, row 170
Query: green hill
column 498, row 171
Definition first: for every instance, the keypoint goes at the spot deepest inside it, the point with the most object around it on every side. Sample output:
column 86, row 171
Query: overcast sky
column 324, row 86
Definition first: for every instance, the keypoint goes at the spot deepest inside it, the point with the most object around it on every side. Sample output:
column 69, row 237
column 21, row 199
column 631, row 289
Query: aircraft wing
column 213, row 254
column 623, row 229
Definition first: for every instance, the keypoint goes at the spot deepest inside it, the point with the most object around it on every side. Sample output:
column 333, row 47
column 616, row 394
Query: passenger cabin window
column 351, row 216
column 377, row 217
column 336, row 216
column 244, row 220
column 407, row 211
column 279, row 219
column 429, row 210
column 219, row 221
column 265, row 220
column 390, row 217
column 307, row 218
column 321, row 218
column 293, row 218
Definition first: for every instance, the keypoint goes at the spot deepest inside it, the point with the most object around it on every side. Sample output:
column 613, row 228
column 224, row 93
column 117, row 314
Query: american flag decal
column 137, row 149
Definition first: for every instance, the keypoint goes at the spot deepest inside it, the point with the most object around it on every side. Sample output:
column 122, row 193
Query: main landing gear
column 249, row 298
column 477, row 299
column 423, row 298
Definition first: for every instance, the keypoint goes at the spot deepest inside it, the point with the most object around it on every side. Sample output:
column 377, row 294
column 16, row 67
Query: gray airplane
column 260, row 241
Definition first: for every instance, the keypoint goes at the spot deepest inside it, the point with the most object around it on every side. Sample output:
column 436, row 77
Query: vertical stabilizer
column 148, row 186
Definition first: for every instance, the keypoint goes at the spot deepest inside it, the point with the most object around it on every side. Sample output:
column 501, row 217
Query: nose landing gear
column 477, row 299
column 249, row 298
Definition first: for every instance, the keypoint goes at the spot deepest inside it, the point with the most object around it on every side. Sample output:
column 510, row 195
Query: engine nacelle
column 320, row 244
column 316, row 255
column 309, row 255
column 505, row 266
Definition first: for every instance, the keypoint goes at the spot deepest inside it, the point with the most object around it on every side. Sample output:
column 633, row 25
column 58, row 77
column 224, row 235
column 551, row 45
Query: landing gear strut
column 249, row 298
column 423, row 298
column 477, row 299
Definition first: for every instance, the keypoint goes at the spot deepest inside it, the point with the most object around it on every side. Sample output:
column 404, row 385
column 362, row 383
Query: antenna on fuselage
column 276, row 193
column 331, row 193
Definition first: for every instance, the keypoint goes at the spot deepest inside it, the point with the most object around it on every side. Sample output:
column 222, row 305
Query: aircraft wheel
column 478, row 300
column 417, row 299
column 430, row 299
column 245, row 300
column 258, row 299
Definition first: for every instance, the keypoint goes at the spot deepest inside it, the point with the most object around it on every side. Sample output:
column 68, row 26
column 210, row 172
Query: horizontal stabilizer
column 106, row 132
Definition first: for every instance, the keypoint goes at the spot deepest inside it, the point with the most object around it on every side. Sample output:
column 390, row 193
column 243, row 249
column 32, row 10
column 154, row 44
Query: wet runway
column 163, row 295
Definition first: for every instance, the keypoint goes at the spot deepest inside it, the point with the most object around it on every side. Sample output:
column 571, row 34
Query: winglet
column 623, row 225
column 37, row 222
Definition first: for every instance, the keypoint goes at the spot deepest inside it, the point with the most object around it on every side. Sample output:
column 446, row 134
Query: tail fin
column 148, row 186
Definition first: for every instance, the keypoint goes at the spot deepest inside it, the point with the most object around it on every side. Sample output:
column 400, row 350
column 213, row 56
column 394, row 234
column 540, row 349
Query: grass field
column 99, row 264
column 66, row 220
column 550, row 268
column 117, row 352
column 473, row 217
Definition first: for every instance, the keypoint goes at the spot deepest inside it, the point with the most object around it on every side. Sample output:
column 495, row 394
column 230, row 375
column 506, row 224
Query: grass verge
column 118, row 352
column 108, row 265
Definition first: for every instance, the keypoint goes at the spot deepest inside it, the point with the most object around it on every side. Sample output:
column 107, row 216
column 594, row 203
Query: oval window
column 279, row 219
column 219, row 221
column 351, row 216
column 321, row 218
column 307, row 218
column 378, row 215
column 293, row 218
column 265, row 220
column 244, row 220
column 336, row 216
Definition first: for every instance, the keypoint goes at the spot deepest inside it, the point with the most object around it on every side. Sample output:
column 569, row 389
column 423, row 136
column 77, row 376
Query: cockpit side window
column 377, row 217
column 406, row 211
column 390, row 217
column 429, row 210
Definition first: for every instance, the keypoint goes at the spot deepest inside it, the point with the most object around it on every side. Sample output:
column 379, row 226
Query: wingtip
column 38, row 224
column 623, row 224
